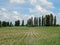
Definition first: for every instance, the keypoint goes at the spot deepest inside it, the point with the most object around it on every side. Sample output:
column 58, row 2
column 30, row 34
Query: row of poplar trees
column 4, row 24
column 48, row 20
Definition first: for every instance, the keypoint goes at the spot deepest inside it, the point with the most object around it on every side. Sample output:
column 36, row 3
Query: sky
column 12, row 10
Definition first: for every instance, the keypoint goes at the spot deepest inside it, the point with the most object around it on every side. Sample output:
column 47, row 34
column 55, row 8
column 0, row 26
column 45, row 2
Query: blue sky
column 11, row 10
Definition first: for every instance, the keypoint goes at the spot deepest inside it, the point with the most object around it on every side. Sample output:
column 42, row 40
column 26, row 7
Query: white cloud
column 58, row 18
column 4, row 15
column 15, row 15
column 15, row 12
column 44, row 3
column 17, row 1
column 33, row 1
column 3, row 9
column 41, row 7
column 39, row 11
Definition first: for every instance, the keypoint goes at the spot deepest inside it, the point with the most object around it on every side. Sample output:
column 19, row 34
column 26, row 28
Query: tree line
column 47, row 20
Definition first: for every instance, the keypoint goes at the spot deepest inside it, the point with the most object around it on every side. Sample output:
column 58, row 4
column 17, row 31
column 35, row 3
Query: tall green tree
column 30, row 22
column 42, row 21
column 10, row 24
column 7, row 23
column 17, row 23
column 22, row 22
column 4, row 23
column 47, row 20
column 35, row 21
column 0, row 24
column 55, row 21
column 39, row 21
column 51, row 19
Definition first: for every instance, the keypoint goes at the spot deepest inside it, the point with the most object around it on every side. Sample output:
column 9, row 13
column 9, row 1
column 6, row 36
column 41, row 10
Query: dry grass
column 30, row 36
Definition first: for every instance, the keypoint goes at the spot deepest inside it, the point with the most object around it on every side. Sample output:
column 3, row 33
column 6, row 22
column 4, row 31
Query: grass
column 30, row 36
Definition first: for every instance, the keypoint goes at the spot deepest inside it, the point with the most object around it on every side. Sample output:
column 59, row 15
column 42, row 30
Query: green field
column 30, row 36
